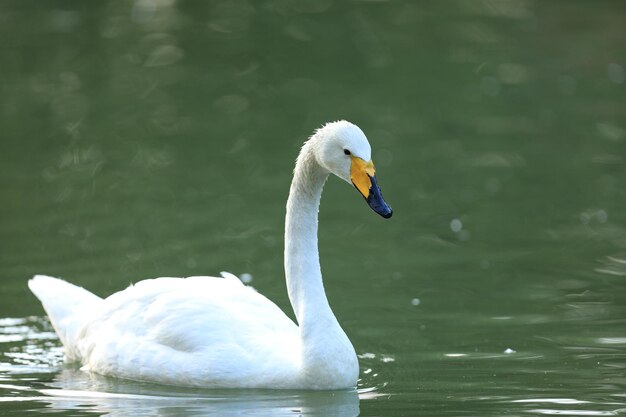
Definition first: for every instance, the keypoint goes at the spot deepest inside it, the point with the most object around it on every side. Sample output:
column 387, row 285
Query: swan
column 216, row 332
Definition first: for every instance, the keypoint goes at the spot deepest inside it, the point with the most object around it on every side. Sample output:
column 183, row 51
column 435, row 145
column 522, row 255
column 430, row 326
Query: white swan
column 216, row 332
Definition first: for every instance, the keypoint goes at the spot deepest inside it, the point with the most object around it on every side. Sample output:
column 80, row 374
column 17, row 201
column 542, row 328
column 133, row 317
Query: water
column 156, row 138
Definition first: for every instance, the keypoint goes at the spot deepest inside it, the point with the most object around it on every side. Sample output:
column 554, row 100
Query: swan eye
column 347, row 152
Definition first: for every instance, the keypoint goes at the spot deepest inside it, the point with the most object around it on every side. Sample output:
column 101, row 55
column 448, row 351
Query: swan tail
column 67, row 306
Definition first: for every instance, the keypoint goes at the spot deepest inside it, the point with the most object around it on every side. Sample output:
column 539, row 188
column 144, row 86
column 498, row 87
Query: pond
column 158, row 137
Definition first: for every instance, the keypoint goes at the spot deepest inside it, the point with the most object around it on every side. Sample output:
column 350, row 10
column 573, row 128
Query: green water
column 157, row 138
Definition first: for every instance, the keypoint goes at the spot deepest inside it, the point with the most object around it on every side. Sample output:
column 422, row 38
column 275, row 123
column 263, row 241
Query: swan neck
column 302, row 266
column 328, row 357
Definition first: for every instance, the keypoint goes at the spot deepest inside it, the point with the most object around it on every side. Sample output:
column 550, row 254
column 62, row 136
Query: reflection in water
column 74, row 389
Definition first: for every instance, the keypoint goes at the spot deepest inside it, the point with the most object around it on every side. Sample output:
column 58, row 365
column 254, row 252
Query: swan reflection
column 73, row 389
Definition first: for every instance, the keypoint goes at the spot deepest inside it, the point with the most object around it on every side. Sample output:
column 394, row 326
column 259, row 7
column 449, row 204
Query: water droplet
column 456, row 225
column 415, row 302
column 246, row 278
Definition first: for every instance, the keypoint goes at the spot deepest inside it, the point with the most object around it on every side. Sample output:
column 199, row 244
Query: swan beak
column 362, row 175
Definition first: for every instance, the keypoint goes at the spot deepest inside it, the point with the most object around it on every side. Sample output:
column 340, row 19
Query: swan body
column 216, row 332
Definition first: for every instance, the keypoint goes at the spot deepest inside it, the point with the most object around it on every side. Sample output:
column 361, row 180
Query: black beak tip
column 376, row 201
column 382, row 209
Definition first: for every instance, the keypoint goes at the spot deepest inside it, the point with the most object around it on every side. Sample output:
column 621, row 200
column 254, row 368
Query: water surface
column 157, row 138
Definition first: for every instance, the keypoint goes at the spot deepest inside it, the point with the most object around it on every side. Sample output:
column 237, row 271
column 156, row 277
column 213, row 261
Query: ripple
column 12, row 321
column 551, row 412
column 508, row 354
column 613, row 265
column 552, row 401
column 612, row 340
column 22, row 329
column 37, row 346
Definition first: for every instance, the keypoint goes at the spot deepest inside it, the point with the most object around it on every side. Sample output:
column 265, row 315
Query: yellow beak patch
column 360, row 173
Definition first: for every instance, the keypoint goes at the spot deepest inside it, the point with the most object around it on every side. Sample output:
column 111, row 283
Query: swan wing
column 204, row 331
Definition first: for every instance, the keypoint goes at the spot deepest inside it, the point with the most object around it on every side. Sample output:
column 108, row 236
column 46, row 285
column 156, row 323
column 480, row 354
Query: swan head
column 342, row 149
